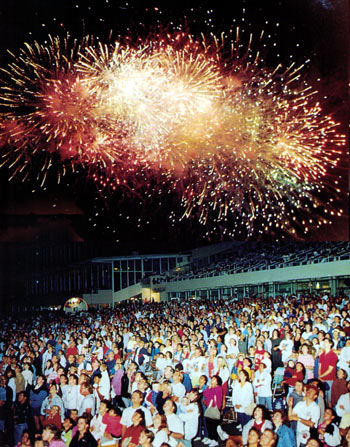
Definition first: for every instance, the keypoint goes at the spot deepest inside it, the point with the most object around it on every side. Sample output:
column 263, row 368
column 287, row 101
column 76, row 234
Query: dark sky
column 307, row 29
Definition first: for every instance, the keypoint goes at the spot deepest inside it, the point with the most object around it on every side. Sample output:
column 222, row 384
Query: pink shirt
column 307, row 360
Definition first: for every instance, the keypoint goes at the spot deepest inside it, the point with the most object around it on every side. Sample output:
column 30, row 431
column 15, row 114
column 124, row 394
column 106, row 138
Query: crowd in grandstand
column 260, row 256
column 255, row 372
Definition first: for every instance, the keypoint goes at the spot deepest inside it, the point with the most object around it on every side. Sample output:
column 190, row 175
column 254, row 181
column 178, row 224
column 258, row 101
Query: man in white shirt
column 307, row 413
column 101, row 389
column 72, row 395
column 136, row 403
column 88, row 403
column 178, row 389
column 97, row 427
column 175, row 424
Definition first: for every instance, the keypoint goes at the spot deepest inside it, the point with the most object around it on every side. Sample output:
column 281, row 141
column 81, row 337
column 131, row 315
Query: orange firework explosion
column 238, row 142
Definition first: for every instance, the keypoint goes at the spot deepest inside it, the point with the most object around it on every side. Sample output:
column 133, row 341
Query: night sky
column 307, row 29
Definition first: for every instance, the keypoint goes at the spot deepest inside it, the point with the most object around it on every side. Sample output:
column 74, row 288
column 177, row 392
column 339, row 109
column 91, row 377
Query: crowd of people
column 257, row 372
column 255, row 256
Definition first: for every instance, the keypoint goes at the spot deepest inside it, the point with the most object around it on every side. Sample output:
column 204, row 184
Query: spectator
column 306, row 413
column 286, row 436
column 83, row 436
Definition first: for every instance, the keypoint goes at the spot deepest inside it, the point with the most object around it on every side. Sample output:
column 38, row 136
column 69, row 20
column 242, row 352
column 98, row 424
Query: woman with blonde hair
column 160, row 430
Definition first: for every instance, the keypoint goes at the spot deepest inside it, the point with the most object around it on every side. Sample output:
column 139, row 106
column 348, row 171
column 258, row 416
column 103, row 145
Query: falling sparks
column 238, row 143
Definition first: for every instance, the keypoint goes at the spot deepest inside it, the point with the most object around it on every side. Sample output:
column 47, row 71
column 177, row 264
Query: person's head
column 138, row 418
column 83, row 378
column 53, row 388
column 74, row 414
column 329, row 415
column 97, row 378
column 83, row 424
column 103, row 407
column 259, row 345
column 21, row 397
column 146, row 437
column 278, row 418
column 203, row 380
column 177, row 377
column 221, row 362
column 215, row 381
column 168, row 372
column 260, row 413
column 194, row 395
column 311, row 392
column 73, row 380
column 291, row 364
column 247, row 363
column 68, row 424
column 55, row 409
column 299, row 386
column 328, row 344
column 341, row 374
column 243, row 376
column 25, row 439
column 313, row 443
column 160, row 421
column 137, row 398
column 86, row 389
column 50, row 432
column 261, row 367
column 300, row 367
column 63, row 379
column 268, row 438
column 169, row 407
column 305, row 349
column 253, row 436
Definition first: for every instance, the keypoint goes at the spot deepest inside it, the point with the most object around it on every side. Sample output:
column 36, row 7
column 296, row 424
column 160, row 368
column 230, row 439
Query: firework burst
column 238, row 143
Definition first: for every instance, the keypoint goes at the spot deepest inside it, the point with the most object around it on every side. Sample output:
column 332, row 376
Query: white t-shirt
column 175, row 424
column 159, row 437
column 71, row 397
column 128, row 413
column 344, row 401
column 178, row 390
column 88, row 402
column 97, row 427
column 190, row 419
column 304, row 411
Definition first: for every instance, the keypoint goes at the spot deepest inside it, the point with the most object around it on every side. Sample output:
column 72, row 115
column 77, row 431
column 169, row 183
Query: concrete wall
column 101, row 297
column 128, row 292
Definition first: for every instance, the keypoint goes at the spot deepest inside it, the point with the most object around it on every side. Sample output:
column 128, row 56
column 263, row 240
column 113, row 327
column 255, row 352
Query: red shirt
column 133, row 433
column 114, row 426
column 259, row 357
column 326, row 360
column 56, row 421
column 71, row 351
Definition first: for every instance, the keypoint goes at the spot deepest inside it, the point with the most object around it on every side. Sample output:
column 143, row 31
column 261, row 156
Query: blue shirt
column 286, row 437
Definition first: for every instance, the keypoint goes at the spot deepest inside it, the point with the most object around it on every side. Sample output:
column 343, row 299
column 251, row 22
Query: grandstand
column 242, row 269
